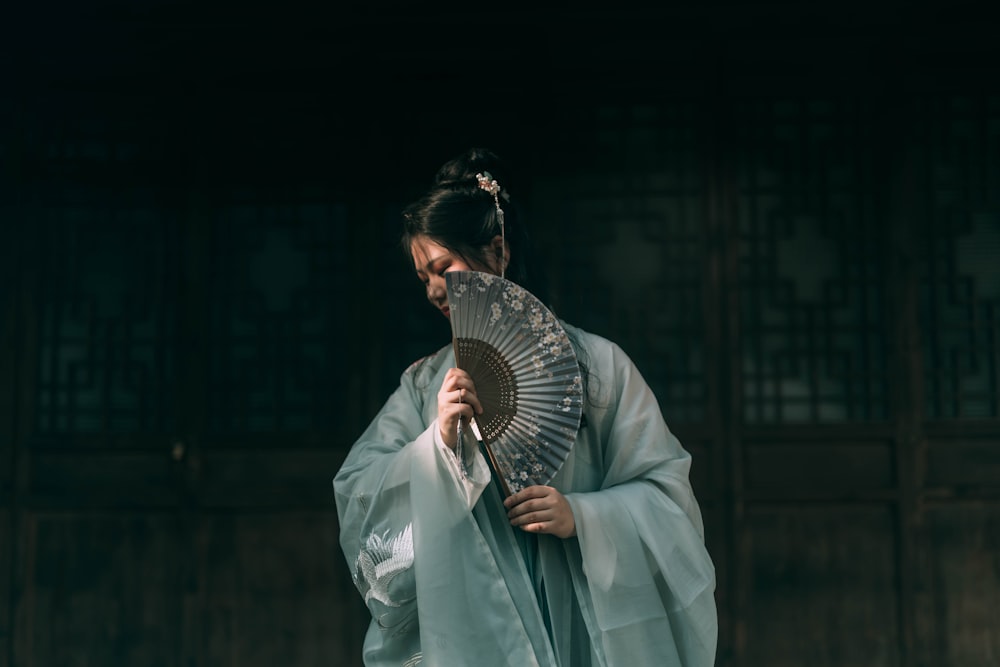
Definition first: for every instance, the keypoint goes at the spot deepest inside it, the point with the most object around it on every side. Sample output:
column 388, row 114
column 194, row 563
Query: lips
column 446, row 311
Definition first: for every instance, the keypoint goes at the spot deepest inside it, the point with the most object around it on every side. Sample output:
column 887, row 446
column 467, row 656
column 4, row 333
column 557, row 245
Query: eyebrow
column 430, row 263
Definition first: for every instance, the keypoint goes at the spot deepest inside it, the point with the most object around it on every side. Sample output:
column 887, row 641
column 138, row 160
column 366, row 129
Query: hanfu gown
column 450, row 583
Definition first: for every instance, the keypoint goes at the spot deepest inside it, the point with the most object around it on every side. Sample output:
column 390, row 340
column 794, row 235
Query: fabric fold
column 634, row 587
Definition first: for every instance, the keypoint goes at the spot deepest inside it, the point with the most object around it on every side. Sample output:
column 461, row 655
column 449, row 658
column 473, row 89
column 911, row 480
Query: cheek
column 435, row 287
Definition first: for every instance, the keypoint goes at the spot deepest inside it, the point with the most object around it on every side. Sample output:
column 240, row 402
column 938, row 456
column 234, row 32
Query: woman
column 605, row 566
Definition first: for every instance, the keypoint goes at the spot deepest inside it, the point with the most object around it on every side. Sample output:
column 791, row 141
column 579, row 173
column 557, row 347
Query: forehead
column 424, row 251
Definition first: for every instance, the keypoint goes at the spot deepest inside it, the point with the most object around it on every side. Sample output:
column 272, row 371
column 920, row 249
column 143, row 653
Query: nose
column 437, row 292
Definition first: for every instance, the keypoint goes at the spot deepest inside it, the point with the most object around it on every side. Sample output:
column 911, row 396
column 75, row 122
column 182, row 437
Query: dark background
column 787, row 213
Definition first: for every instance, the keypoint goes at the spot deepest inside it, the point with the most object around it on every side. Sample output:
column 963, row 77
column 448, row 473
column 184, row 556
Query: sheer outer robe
column 635, row 587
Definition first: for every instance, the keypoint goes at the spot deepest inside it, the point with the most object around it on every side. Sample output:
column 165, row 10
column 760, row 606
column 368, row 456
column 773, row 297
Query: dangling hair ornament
column 490, row 185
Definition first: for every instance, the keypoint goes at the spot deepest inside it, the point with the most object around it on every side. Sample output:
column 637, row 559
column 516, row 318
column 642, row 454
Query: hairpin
column 490, row 185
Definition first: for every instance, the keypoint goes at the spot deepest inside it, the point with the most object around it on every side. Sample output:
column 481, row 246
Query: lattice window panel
column 106, row 318
column 630, row 246
column 960, row 271
column 280, row 307
column 812, row 265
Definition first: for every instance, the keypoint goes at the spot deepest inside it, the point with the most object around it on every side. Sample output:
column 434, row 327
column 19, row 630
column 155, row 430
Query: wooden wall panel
column 88, row 479
column 269, row 593
column 963, row 465
column 823, row 587
column 958, row 579
column 786, row 467
column 812, row 277
column 620, row 221
column 957, row 139
column 273, row 317
column 101, row 589
column 7, row 543
column 718, row 541
column 10, row 333
column 250, row 478
column 703, row 470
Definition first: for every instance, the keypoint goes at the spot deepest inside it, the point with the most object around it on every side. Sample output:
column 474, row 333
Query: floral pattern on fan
column 526, row 373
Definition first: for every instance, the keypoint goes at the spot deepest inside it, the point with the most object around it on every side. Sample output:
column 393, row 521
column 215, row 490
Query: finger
column 524, row 508
column 533, row 510
column 530, row 518
column 528, row 493
column 449, row 384
column 456, row 411
column 515, row 499
column 537, row 525
column 462, row 392
column 452, row 397
column 468, row 398
column 473, row 400
column 457, row 377
column 460, row 381
column 468, row 393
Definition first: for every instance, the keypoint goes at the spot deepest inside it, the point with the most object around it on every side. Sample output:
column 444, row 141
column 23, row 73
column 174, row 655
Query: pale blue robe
column 450, row 586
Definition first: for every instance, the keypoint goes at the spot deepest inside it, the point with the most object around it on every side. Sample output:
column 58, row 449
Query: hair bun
column 463, row 169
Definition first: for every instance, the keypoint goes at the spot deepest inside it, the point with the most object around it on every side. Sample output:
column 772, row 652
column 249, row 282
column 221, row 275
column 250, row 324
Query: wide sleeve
column 371, row 490
column 646, row 571
column 395, row 484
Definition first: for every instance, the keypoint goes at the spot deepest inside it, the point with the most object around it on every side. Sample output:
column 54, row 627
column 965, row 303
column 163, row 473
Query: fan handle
column 495, row 469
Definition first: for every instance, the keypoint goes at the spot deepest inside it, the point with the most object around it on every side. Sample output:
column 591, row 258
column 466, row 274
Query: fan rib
column 526, row 374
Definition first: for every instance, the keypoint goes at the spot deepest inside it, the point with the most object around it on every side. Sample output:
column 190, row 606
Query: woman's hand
column 456, row 399
column 541, row 509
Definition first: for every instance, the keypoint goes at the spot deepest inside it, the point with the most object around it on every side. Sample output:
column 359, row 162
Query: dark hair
column 460, row 216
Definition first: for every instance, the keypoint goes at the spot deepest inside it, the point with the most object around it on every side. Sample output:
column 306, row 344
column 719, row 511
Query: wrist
column 443, row 439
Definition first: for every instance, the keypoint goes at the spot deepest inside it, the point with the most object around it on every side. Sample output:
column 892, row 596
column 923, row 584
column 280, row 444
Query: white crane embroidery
column 381, row 560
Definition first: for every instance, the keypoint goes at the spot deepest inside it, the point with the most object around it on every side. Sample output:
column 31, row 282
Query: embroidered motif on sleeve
column 380, row 561
column 415, row 365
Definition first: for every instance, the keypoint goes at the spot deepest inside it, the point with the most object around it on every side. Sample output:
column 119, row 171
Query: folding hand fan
column 526, row 373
